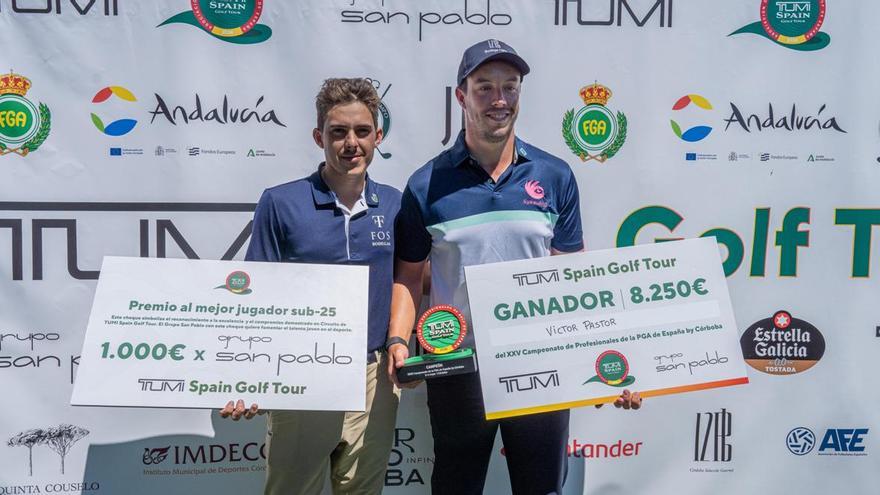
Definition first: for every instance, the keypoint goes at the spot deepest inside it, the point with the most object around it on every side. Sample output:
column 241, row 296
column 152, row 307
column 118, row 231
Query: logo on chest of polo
column 535, row 194
column 378, row 236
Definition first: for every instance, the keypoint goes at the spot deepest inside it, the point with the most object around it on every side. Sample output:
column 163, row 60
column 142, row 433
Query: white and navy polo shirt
column 302, row 222
column 453, row 211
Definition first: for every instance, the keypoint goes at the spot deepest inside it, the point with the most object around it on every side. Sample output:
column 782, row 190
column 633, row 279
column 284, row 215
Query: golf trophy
column 440, row 332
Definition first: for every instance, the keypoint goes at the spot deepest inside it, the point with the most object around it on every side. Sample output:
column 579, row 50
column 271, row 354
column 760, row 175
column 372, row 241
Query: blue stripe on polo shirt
column 453, row 211
column 300, row 222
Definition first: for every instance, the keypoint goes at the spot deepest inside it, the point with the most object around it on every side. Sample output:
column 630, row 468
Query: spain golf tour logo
column 612, row 369
column 793, row 24
column 233, row 21
column 237, row 282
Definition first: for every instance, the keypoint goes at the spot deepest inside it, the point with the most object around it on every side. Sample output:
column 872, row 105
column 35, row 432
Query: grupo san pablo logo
column 695, row 133
column 594, row 132
column 237, row 282
column 118, row 127
column 782, row 344
column 233, row 21
column 23, row 125
column 612, row 369
column 793, row 24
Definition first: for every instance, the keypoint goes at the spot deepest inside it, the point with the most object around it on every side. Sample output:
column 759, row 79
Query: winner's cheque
column 574, row 330
column 198, row 333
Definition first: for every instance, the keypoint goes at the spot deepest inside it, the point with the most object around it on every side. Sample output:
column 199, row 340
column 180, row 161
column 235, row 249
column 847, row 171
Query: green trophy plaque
column 440, row 332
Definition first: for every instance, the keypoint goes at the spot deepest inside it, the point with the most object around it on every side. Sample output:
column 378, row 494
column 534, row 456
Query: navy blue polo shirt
column 300, row 222
column 453, row 211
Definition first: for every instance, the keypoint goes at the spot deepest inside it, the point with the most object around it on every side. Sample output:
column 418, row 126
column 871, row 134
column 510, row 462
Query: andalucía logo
column 233, row 21
column 119, row 127
column 612, row 368
column 593, row 132
column 782, row 345
column 791, row 23
column 237, row 282
column 23, row 126
column 696, row 133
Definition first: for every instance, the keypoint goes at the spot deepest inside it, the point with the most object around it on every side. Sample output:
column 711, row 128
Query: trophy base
column 436, row 365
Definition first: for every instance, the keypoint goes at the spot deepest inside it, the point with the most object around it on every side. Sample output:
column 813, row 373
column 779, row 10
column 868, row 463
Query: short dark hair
column 339, row 91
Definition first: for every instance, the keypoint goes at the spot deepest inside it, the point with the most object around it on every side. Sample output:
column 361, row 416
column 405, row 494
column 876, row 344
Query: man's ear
column 318, row 137
column 459, row 95
column 379, row 136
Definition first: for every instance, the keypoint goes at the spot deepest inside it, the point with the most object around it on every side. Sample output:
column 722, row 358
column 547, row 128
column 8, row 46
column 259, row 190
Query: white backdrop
column 185, row 187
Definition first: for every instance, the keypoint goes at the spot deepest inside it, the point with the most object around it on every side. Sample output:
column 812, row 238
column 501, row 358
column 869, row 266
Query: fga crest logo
column 23, row 126
column 593, row 132
column 791, row 23
column 233, row 21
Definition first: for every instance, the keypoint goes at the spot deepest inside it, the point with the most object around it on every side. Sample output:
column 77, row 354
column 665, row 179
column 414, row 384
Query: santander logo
column 534, row 189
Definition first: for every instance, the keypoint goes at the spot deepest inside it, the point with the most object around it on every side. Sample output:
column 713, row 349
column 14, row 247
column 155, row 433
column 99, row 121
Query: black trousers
column 534, row 445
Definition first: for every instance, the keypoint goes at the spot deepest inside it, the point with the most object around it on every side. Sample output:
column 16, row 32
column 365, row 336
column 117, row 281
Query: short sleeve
column 568, row 235
column 412, row 240
column 265, row 232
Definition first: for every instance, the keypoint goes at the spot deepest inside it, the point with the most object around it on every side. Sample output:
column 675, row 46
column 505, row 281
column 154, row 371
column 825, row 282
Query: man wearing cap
column 472, row 205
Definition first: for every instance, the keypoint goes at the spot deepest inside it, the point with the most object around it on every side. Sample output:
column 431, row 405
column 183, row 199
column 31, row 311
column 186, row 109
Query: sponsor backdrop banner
column 132, row 128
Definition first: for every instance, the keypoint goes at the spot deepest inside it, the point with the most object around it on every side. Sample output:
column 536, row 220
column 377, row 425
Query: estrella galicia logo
column 594, row 132
column 119, row 127
column 23, row 126
column 612, row 369
column 237, row 282
column 530, row 381
column 793, row 24
column 696, row 133
column 782, row 344
column 800, row 441
column 233, row 21
column 155, row 456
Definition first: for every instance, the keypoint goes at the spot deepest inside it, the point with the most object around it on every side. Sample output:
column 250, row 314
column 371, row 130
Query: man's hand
column 627, row 401
column 237, row 410
column 397, row 354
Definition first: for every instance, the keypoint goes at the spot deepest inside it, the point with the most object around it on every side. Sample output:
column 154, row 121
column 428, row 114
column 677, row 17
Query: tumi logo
column 530, row 381
column 160, row 385
column 612, row 12
column 537, row 278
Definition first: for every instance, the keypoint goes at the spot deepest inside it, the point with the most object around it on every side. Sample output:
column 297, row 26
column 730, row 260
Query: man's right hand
column 397, row 354
column 236, row 410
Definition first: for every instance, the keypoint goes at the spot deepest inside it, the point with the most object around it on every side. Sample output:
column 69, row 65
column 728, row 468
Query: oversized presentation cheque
column 198, row 333
column 574, row 330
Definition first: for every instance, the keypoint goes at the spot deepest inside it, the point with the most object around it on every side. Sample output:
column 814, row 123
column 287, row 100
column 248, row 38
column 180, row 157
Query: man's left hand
column 627, row 400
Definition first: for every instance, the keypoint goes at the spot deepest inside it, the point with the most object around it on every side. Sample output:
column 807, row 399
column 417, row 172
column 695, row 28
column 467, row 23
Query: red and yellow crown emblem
column 595, row 93
column 15, row 84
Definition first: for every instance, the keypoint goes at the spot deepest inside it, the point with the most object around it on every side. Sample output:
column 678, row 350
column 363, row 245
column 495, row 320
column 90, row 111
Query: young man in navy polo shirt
column 491, row 197
column 336, row 215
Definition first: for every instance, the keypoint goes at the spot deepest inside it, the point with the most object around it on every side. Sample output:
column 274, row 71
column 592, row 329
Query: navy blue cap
column 486, row 51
